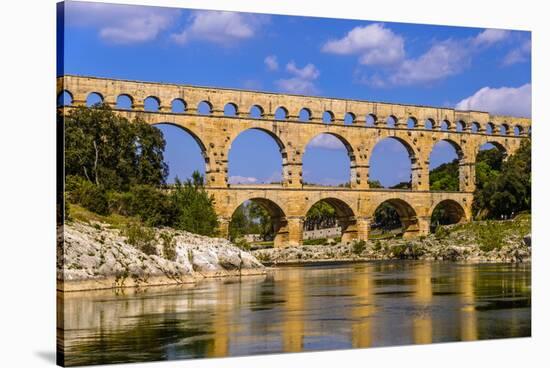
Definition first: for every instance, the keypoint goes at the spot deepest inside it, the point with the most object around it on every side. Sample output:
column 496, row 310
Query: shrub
column 168, row 246
column 87, row 194
column 359, row 246
column 319, row 241
column 441, row 232
column 241, row 243
column 144, row 201
column 141, row 237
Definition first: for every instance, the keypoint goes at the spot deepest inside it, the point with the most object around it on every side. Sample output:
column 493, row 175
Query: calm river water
column 301, row 309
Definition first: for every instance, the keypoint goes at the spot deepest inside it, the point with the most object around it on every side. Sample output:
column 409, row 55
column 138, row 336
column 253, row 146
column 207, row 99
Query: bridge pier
column 295, row 231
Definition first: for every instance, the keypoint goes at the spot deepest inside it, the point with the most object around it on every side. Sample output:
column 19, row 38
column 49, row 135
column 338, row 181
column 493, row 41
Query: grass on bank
column 491, row 234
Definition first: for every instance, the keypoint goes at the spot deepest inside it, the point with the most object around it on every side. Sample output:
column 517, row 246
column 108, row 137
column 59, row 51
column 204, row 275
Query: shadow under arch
column 196, row 138
column 349, row 150
column 279, row 223
column 413, row 161
column 408, row 222
column 344, row 218
column 447, row 212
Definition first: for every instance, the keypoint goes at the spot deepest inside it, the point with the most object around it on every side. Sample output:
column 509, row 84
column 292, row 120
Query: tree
column 193, row 208
column 503, row 188
column 386, row 217
column 445, row 177
column 320, row 216
column 110, row 151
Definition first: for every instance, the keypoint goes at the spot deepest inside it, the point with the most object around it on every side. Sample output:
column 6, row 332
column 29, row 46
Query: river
column 294, row 309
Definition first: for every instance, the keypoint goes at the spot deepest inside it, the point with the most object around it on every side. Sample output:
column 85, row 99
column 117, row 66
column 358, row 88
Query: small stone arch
column 256, row 112
column 406, row 212
column 504, row 129
column 460, row 126
column 445, row 125
column 328, row 117
column 65, row 98
column 178, row 106
column 371, row 120
column 475, row 127
column 391, row 121
column 429, row 124
column 349, row 118
column 94, row 98
column 124, row 101
column 205, row 108
column 412, row 122
column 151, row 103
column 231, row 109
column 518, row 130
column 304, row 115
column 281, row 113
column 345, row 216
column 490, row 128
column 446, row 212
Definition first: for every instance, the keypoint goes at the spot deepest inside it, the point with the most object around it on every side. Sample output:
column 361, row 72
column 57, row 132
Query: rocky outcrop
column 457, row 243
column 95, row 256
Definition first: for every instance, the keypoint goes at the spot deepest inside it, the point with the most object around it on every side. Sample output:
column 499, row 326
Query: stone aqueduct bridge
column 289, row 201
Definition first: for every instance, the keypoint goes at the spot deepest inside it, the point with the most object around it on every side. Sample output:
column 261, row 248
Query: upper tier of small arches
column 223, row 105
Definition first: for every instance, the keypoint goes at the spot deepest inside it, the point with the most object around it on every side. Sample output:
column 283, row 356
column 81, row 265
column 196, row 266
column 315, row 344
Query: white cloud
column 503, row 101
column 219, row 27
column 271, row 62
column 379, row 45
column 490, row 36
column 236, row 179
column 327, row 141
column 309, row 71
column 375, row 45
column 518, row 55
column 303, row 80
column 121, row 24
column 442, row 60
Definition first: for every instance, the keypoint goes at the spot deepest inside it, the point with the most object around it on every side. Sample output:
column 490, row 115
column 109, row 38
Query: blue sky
column 467, row 68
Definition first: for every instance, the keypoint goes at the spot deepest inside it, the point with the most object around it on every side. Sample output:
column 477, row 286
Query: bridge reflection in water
column 301, row 309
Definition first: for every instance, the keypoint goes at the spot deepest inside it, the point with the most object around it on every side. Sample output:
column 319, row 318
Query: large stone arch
column 415, row 162
column 278, row 141
column 346, row 216
column 464, row 167
column 277, row 214
column 407, row 215
column 197, row 139
column 349, row 150
column 454, row 211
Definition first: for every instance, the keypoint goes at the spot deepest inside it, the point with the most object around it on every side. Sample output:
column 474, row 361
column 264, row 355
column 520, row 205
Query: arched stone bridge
column 418, row 128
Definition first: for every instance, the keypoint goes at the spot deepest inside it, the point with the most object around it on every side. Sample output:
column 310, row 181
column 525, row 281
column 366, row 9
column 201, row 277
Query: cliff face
column 93, row 256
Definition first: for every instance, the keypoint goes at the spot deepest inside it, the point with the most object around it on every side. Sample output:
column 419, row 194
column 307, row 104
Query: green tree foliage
column 110, row 151
column 386, row 217
column 503, row 188
column 445, row 177
column 251, row 218
column 113, row 165
column 192, row 207
column 320, row 216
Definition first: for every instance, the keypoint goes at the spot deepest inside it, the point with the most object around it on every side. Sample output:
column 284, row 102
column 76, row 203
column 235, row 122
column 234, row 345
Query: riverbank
column 96, row 255
column 477, row 242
